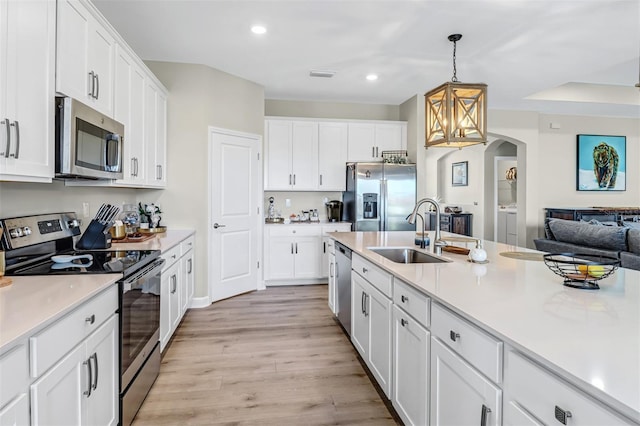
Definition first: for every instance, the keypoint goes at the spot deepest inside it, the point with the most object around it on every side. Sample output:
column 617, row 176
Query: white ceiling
column 521, row 48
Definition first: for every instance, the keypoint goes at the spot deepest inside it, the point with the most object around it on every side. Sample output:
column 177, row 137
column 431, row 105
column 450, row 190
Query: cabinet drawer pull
column 404, row 298
column 90, row 377
column 562, row 415
column 90, row 319
column 95, row 360
column 403, row 322
column 6, row 152
column 453, row 335
column 17, row 126
column 484, row 414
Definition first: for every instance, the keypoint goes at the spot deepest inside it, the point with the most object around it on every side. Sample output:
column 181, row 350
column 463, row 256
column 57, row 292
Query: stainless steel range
column 44, row 245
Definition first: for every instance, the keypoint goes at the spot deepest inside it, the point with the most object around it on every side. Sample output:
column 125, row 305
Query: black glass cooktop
column 101, row 262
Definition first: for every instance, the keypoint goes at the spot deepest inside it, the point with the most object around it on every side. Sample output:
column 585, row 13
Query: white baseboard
column 200, row 302
column 295, row 282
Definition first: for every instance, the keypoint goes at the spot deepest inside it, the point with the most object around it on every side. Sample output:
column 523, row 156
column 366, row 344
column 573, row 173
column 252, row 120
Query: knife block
column 96, row 236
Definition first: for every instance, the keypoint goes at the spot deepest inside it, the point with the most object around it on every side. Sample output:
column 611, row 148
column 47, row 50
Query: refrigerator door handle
column 383, row 204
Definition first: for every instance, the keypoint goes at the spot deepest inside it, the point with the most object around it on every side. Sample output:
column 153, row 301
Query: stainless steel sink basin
column 406, row 255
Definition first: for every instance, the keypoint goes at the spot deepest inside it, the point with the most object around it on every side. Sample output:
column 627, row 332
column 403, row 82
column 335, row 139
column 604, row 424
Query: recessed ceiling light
column 372, row 77
column 258, row 29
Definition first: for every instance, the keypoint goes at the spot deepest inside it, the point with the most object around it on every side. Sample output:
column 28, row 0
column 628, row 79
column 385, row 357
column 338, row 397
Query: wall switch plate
column 287, row 202
column 85, row 210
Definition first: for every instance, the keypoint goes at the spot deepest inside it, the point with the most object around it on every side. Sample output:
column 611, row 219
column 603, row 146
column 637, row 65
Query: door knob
column 216, row 226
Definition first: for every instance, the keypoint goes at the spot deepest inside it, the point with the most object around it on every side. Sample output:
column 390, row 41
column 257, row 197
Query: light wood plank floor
column 273, row 357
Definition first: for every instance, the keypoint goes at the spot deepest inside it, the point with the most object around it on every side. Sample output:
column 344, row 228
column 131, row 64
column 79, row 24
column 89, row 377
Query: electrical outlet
column 287, row 202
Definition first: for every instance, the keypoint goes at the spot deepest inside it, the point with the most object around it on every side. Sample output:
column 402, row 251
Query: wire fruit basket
column 581, row 270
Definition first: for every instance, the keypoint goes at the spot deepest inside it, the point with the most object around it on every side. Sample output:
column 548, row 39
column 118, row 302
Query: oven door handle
column 149, row 270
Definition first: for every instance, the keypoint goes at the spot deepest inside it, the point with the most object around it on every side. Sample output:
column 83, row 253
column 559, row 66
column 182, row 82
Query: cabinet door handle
column 90, row 319
column 562, row 415
column 331, row 270
column 190, row 262
column 91, row 84
column 289, row 179
column 484, row 414
column 291, row 248
column 97, row 86
column 453, row 335
column 320, row 180
column 324, row 246
column 294, row 178
column 95, row 360
column 377, row 154
column 90, row 377
column 174, row 284
column 404, row 298
column 362, row 302
column 366, row 305
column 403, row 322
column 296, row 248
column 137, row 166
column 17, row 126
column 8, row 145
column 364, row 270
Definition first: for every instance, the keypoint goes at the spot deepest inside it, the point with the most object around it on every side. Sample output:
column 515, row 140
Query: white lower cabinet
column 460, row 395
column 292, row 252
column 410, row 396
column 536, row 396
column 371, row 329
column 330, row 265
column 83, row 387
column 16, row 413
column 176, row 287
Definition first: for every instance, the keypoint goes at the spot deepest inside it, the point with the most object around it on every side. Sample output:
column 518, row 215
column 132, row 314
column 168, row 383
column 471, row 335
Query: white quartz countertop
column 309, row 222
column 590, row 337
column 30, row 303
column 162, row 241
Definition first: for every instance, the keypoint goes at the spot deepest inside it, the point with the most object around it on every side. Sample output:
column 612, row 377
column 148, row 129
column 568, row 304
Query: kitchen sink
column 406, row 255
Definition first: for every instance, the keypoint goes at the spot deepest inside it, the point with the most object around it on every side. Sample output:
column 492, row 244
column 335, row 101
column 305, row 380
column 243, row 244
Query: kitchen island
column 590, row 339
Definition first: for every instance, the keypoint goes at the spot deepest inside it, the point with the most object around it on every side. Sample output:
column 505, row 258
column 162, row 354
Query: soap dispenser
column 478, row 254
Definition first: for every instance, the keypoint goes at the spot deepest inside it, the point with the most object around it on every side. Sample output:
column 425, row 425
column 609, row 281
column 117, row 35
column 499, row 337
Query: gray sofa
column 592, row 238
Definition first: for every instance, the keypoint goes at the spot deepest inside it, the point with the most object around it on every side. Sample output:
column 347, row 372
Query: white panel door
column 235, row 198
column 332, row 156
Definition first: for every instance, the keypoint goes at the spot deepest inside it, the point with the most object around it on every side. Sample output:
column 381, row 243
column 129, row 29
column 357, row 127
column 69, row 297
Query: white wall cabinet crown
column 27, row 61
column 85, row 57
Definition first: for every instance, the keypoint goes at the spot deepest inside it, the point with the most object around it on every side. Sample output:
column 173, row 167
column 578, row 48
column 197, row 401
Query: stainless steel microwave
column 88, row 143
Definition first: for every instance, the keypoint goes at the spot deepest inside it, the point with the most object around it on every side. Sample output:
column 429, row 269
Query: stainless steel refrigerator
column 379, row 196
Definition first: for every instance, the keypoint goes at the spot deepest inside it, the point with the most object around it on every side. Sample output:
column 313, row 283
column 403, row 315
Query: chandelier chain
column 455, row 77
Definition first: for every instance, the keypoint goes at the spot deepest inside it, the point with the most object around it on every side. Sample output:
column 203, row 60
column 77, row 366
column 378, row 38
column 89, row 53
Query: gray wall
column 199, row 97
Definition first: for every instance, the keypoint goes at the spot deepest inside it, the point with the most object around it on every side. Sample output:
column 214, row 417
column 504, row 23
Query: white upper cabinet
column 155, row 113
column 291, row 155
column 27, row 59
column 129, row 110
column 332, row 156
column 85, row 57
column 367, row 140
column 307, row 155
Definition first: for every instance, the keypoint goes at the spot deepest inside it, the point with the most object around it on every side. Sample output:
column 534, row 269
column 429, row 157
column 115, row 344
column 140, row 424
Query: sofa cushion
column 630, row 260
column 633, row 240
column 552, row 246
column 584, row 234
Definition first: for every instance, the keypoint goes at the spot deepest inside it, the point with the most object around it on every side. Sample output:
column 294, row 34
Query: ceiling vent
column 321, row 73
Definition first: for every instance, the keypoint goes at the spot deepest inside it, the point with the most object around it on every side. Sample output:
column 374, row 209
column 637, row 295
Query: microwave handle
column 117, row 139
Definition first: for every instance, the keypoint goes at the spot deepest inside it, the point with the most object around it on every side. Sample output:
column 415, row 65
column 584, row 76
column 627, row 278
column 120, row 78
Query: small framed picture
column 459, row 174
column 601, row 163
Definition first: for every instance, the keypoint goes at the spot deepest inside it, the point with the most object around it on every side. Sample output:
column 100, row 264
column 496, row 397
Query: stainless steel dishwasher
column 343, row 284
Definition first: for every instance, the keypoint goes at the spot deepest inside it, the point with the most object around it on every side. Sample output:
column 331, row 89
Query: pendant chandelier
column 456, row 113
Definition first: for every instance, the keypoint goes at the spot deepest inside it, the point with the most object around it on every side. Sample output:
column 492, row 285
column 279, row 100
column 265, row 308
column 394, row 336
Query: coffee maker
column 370, row 205
column 334, row 210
